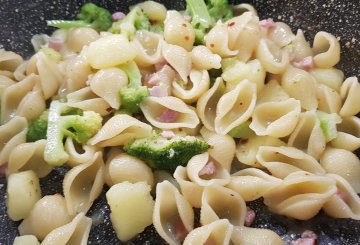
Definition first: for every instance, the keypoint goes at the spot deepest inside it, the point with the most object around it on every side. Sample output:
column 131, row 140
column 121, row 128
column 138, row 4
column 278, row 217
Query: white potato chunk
column 131, row 208
column 23, row 191
column 27, row 239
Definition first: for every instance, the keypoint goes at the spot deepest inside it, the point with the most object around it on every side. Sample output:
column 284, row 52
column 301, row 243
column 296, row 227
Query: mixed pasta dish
column 170, row 111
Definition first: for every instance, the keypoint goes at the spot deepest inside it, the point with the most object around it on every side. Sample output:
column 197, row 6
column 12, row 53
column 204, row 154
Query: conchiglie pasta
column 78, row 156
column 326, row 49
column 83, row 184
column 217, row 40
column 26, row 239
column 272, row 57
column 236, row 26
column 149, row 48
column 9, row 61
column 243, row 235
column 349, row 93
column 153, row 10
column 203, row 59
column 179, row 58
column 272, row 92
column 331, row 77
column 77, row 38
column 348, row 136
column 244, row 7
column 329, row 100
column 6, row 82
column 169, row 112
column 32, row 105
column 281, row 34
column 300, row 47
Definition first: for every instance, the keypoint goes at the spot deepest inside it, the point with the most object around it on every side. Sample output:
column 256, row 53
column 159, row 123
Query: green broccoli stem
column 199, row 13
column 133, row 73
column 66, row 24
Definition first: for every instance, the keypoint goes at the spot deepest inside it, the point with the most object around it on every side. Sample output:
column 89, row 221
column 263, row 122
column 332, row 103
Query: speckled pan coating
column 20, row 19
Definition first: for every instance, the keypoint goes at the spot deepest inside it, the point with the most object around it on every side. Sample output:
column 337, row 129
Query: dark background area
column 21, row 19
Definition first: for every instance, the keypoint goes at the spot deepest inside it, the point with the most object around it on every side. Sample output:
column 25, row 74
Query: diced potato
column 110, row 51
column 131, row 208
column 23, row 191
column 26, row 240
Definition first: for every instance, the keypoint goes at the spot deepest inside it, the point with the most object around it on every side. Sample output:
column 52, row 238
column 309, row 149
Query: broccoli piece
column 135, row 20
column 328, row 124
column 90, row 15
column 166, row 154
column 204, row 15
column 241, row 131
column 37, row 128
column 134, row 93
column 80, row 127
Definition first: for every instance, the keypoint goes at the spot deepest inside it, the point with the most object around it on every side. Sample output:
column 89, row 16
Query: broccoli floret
column 134, row 93
column 135, row 20
column 241, row 131
column 90, row 15
column 328, row 124
column 80, row 127
column 166, row 154
column 204, row 15
column 37, row 128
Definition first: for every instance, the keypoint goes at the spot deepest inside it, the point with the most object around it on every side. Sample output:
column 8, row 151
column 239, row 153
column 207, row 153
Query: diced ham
column 3, row 170
column 208, row 169
column 249, row 217
column 180, row 231
column 55, row 43
column 268, row 23
column 342, row 195
column 160, row 64
column 307, row 238
column 306, row 64
column 168, row 116
column 167, row 134
column 159, row 91
column 118, row 16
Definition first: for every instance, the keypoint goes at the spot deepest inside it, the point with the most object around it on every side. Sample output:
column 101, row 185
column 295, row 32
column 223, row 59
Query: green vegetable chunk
column 37, row 129
column 134, row 93
column 166, row 154
column 328, row 124
column 80, row 127
column 90, row 15
column 241, row 131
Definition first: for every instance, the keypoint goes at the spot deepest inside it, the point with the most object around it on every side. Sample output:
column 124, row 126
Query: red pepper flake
column 241, row 103
column 231, row 24
column 244, row 141
column 187, row 38
column 212, row 45
column 109, row 109
column 184, row 25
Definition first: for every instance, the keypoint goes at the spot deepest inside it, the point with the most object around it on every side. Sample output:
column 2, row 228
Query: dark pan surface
column 20, row 19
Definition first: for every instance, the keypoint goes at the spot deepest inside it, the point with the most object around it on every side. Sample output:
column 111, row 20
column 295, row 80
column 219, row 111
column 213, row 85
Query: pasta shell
column 153, row 10
column 203, row 59
column 219, row 202
column 4, row 83
column 348, row 136
column 75, row 232
column 200, row 83
column 329, row 100
column 326, row 49
column 12, row 133
column 217, row 40
column 9, row 61
column 178, row 58
column 83, row 184
column 32, row 105
column 272, row 92
column 349, row 93
column 235, row 107
column 236, row 26
column 29, row 156
column 149, row 48
column 281, row 34
column 206, row 105
column 272, row 57
column 252, row 183
column 253, row 236
column 217, row 232
column 153, row 107
column 282, row 161
column 242, row 8
column 220, row 177
column 76, row 158
column 277, row 119
column 301, row 195
column 27, row 239
column 331, row 77
column 173, row 215
column 78, row 38
column 119, row 130
column 301, row 48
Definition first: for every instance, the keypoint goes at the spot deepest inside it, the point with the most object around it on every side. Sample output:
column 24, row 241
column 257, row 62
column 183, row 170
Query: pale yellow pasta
column 349, row 93
column 154, row 107
column 217, row 232
column 206, row 105
column 348, row 136
column 244, row 7
column 217, row 40
column 236, row 26
column 308, row 135
column 29, row 156
column 343, row 163
column 301, row 195
column 299, row 47
column 199, row 83
column 283, row 160
column 6, row 82
column 330, row 77
column 243, row 235
column 179, row 58
column 203, row 59
column 75, row 232
column 77, row 156
column 77, row 38
column 83, row 184
column 252, row 183
column 345, row 203
column 110, row 50
column 149, row 48
column 131, row 208
column 119, row 130
column 326, row 50
column 277, row 119
column 162, row 175
column 32, row 105
column 235, row 107
column 172, row 210
column 274, row 59
column 106, row 83
column 300, row 85
column 86, row 100
column 123, row 167
column 178, row 31
column 221, row 176
column 222, row 147
column 20, row 72
column 9, row 61
column 272, row 92
column 48, row 213
column 281, row 34
column 23, row 191
column 190, row 190
column 12, row 133
column 247, row 149
column 329, row 100
column 153, row 10
column 26, row 239
column 219, row 202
